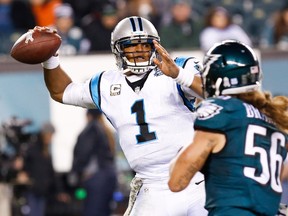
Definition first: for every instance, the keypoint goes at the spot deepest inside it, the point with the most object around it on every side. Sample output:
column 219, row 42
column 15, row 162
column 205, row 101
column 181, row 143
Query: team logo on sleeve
column 197, row 65
column 208, row 110
column 158, row 72
column 115, row 89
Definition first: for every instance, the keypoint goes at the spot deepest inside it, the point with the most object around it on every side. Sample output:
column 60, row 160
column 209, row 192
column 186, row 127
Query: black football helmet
column 230, row 67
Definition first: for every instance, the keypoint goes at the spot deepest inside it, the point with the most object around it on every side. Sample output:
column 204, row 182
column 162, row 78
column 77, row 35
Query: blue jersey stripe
column 95, row 84
column 189, row 104
column 181, row 61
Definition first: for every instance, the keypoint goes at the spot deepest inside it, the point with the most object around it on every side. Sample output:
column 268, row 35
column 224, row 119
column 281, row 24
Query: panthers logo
column 208, row 110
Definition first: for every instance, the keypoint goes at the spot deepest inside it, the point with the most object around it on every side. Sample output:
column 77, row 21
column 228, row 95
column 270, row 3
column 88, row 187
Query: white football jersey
column 153, row 122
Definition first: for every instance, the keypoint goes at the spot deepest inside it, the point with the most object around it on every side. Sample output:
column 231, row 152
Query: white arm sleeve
column 78, row 94
column 192, row 65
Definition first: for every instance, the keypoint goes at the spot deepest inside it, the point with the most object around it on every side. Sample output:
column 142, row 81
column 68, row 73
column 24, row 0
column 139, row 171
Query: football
column 36, row 46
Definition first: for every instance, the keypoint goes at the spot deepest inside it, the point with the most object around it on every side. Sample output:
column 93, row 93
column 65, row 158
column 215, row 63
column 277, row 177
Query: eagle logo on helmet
column 209, row 60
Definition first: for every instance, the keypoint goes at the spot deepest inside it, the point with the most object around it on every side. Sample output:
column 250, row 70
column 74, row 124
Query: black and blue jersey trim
column 188, row 103
column 95, row 84
column 181, row 61
column 96, row 96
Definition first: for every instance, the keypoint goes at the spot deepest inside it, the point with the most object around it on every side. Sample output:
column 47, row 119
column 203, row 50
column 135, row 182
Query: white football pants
column 155, row 199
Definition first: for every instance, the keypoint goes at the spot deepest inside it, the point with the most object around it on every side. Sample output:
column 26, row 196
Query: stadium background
column 23, row 93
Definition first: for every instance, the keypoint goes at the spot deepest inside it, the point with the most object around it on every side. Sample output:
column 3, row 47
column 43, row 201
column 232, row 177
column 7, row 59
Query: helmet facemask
column 242, row 81
column 134, row 65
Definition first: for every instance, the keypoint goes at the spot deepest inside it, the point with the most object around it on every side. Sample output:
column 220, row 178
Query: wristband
column 184, row 77
column 51, row 63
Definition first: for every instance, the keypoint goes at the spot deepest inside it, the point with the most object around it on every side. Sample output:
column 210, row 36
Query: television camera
column 13, row 144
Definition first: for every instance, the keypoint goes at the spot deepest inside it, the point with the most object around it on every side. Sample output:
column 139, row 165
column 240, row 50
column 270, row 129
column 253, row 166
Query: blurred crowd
column 85, row 26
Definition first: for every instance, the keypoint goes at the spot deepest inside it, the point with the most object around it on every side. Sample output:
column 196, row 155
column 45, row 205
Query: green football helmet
column 230, row 67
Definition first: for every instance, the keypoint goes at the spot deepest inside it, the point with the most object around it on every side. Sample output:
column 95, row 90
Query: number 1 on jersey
column 145, row 135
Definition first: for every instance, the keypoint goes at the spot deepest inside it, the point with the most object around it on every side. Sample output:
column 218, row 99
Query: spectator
column 84, row 8
column 6, row 25
column 163, row 9
column 219, row 27
column 275, row 35
column 98, row 27
column 43, row 11
column 182, row 32
column 39, row 172
column 142, row 8
column 22, row 16
column 93, row 162
column 15, row 18
column 73, row 40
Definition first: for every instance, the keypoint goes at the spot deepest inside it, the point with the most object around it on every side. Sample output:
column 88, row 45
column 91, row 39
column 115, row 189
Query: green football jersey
column 245, row 174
